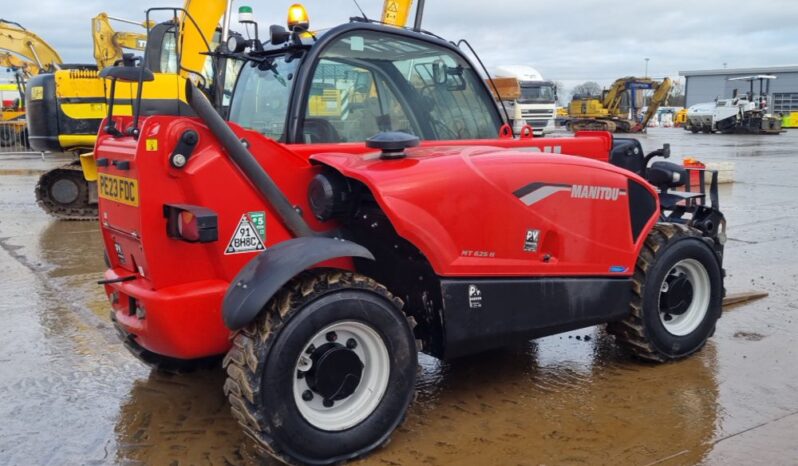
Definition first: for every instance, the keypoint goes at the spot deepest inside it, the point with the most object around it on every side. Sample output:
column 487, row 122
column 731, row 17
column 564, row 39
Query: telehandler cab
column 366, row 200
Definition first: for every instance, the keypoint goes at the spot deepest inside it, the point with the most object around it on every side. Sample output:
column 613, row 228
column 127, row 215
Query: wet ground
column 70, row 394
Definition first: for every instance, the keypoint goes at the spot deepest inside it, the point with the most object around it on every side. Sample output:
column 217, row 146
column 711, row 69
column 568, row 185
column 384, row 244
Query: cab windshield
column 537, row 93
column 262, row 95
column 366, row 82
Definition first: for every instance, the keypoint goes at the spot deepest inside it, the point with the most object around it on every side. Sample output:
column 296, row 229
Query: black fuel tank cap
column 392, row 143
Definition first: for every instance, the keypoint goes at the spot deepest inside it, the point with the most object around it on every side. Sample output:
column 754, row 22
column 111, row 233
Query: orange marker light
column 298, row 18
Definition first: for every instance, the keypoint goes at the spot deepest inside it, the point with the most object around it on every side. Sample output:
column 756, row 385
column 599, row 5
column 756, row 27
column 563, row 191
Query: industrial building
column 707, row 85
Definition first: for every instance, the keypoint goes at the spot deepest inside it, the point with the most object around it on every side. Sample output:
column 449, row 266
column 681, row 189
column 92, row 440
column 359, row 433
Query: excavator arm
column 660, row 96
column 109, row 45
column 14, row 38
column 27, row 68
column 206, row 14
column 396, row 12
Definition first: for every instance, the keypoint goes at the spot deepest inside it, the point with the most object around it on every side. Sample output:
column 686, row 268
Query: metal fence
column 14, row 137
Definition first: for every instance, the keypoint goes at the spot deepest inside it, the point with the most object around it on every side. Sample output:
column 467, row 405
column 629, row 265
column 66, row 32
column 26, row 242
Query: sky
column 569, row 41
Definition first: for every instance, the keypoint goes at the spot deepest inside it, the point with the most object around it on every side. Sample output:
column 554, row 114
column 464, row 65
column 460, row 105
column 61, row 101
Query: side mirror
column 278, row 34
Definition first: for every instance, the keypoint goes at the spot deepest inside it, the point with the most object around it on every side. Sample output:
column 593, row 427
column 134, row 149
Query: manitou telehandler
column 320, row 247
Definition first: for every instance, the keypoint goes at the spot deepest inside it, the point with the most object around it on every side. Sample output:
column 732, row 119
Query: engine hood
column 461, row 204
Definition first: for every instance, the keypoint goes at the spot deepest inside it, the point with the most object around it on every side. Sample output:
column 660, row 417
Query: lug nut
column 351, row 343
column 328, row 403
column 307, row 395
column 332, row 336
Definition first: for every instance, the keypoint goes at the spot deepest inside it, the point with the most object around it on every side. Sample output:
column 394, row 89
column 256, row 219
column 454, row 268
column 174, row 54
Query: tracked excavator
column 65, row 108
column 616, row 109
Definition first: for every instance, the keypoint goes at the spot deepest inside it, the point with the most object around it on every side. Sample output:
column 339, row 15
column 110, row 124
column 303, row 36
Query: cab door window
column 350, row 103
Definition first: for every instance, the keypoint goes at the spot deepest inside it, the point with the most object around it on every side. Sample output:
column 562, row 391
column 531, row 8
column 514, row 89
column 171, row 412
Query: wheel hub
column 335, row 373
column 677, row 294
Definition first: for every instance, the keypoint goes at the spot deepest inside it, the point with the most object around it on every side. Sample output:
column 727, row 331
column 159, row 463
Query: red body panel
column 454, row 200
column 456, row 204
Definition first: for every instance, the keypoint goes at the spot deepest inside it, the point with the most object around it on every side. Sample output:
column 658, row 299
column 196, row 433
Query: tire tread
column 631, row 332
column 245, row 361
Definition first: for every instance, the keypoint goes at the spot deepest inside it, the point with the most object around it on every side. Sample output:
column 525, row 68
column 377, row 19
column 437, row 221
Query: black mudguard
column 264, row 275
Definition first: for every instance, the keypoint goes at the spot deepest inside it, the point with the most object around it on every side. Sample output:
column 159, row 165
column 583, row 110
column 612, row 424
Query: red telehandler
column 364, row 200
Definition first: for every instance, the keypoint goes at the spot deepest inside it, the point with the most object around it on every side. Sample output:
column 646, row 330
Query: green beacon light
column 245, row 15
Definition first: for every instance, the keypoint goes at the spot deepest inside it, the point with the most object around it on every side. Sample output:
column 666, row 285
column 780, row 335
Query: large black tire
column 263, row 372
column 6, row 136
column 644, row 332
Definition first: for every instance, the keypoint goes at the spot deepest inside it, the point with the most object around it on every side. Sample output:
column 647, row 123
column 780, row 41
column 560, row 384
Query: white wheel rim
column 358, row 406
column 690, row 320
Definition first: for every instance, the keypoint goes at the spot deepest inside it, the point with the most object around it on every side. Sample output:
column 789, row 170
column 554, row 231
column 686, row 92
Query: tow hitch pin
column 117, row 280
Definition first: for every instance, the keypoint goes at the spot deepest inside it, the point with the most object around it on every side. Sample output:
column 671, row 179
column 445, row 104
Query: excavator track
column 592, row 125
column 64, row 194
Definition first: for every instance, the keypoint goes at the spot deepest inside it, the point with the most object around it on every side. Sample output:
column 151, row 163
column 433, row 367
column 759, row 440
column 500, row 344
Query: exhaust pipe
column 246, row 162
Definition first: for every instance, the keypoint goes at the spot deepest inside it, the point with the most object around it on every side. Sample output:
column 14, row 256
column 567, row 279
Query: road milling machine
column 616, row 110
column 747, row 113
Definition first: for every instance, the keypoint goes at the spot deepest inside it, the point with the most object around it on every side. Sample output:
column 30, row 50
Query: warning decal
column 247, row 237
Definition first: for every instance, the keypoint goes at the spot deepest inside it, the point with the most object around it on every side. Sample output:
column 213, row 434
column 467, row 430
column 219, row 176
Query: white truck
column 537, row 104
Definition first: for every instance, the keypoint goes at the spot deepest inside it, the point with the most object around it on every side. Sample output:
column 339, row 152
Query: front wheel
column 327, row 371
column 677, row 294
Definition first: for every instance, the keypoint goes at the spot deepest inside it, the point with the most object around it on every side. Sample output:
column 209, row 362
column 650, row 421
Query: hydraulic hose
column 242, row 158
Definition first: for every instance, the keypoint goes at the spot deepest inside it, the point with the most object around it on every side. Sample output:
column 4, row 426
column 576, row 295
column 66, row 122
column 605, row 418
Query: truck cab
column 537, row 104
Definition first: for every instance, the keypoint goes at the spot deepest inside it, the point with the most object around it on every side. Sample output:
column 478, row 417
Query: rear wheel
column 327, row 372
column 676, row 297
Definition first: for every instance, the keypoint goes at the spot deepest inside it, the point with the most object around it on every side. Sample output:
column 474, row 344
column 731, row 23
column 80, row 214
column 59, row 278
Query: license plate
column 118, row 189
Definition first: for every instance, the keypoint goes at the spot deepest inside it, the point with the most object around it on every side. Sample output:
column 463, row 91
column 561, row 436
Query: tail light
column 191, row 223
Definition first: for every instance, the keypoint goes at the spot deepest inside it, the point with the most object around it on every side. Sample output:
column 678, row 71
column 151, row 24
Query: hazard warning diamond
column 246, row 238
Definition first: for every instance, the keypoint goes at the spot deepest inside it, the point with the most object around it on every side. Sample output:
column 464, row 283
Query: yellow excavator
column 617, row 107
column 27, row 55
column 65, row 108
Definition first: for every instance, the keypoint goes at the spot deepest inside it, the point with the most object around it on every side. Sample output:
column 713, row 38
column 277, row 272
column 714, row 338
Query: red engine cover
column 480, row 211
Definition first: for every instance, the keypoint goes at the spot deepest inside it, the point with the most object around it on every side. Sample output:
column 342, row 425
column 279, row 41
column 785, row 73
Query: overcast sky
column 570, row 41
